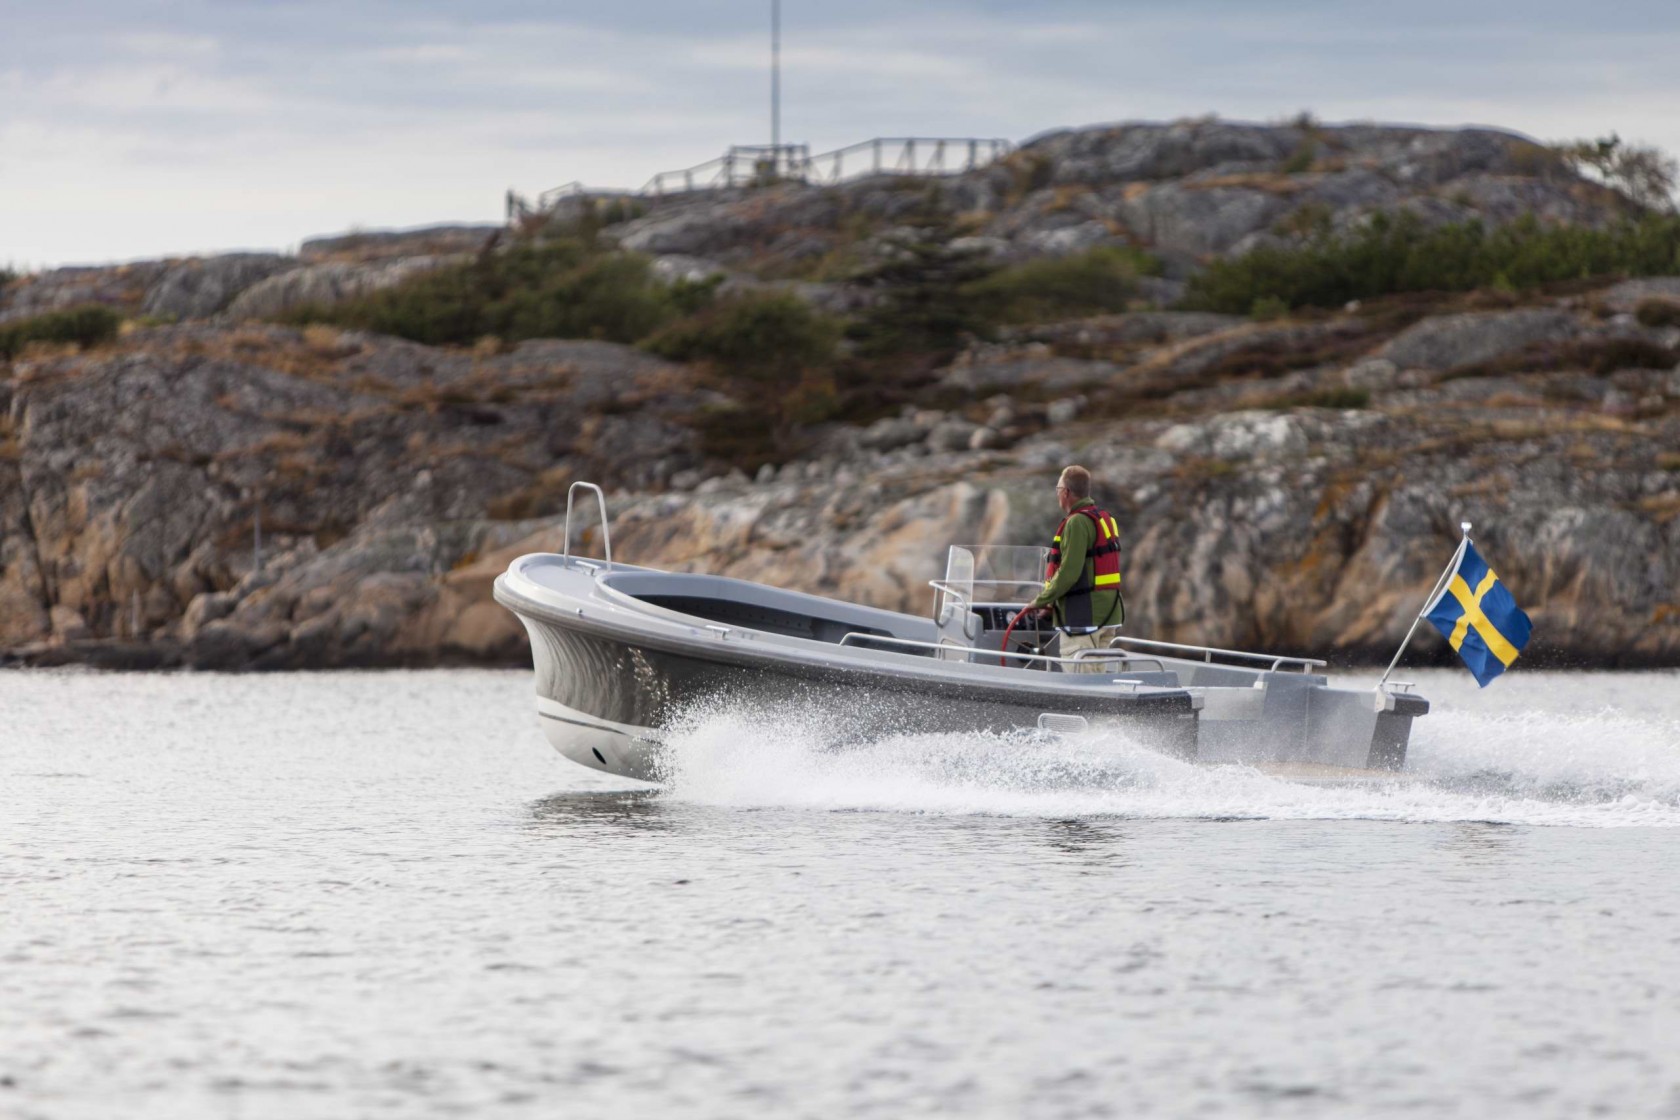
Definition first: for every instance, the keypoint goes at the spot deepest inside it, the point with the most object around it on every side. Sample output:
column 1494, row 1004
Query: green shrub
column 611, row 297
column 1337, row 398
column 1310, row 219
column 1658, row 313
column 1302, row 158
column 759, row 337
column 1327, row 398
column 745, row 438
column 566, row 289
column 925, row 298
column 1028, row 171
column 1644, row 174
column 1401, row 254
column 1088, row 283
column 1610, row 355
column 1539, row 161
column 619, row 210
column 1268, row 309
column 85, row 326
column 775, row 355
column 1598, row 356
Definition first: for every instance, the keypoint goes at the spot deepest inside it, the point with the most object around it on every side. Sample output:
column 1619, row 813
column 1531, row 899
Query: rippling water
column 366, row 895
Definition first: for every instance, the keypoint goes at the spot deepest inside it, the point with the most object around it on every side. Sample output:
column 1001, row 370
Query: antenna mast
column 776, row 82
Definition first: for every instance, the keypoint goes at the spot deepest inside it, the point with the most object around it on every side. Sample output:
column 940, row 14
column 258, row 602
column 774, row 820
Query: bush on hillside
column 85, row 326
column 566, row 289
column 1598, row 356
column 1642, row 173
column 1658, row 313
column 1401, row 254
column 759, row 337
column 776, row 355
column 1342, row 399
column 924, row 305
column 1089, row 283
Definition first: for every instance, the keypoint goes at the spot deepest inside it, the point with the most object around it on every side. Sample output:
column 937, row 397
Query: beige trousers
column 1073, row 643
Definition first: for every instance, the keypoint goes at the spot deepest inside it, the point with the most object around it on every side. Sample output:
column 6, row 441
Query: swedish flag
column 1479, row 618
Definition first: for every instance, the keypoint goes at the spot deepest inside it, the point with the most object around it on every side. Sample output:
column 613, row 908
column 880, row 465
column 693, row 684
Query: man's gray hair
column 1078, row 481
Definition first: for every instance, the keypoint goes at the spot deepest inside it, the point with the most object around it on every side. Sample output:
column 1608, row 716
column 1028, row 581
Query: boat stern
column 1295, row 718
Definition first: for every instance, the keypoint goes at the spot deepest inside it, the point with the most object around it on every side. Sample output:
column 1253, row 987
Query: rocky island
column 1281, row 349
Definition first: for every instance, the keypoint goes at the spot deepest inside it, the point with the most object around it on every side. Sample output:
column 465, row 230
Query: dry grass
column 544, row 496
column 303, row 419
column 1582, row 452
column 1514, row 400
column 329, row 342
column 1198, row 468
column 448, row 452
column 275, row 443
column 1509, row 430
column 1065, row 197
column 48, row 351
column 316, row 353
column 300, row 466
column 1662, row 508
column 1270, row 182
column 1161, row 375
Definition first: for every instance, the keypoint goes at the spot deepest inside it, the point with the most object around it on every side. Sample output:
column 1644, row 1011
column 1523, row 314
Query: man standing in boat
column 1082, row 580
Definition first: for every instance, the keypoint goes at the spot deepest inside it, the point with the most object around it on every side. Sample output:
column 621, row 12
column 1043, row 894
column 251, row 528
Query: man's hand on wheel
column 1031, row 613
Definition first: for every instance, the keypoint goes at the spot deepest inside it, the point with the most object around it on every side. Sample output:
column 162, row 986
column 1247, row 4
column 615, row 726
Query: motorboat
column 625, row 654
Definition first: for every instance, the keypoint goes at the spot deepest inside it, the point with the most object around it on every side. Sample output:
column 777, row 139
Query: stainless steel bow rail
column 1277, row 664
column 606, row 532
column 1206, row 654
column 863, row 640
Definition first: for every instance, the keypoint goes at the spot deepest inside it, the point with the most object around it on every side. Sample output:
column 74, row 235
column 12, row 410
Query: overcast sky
column 131, row 128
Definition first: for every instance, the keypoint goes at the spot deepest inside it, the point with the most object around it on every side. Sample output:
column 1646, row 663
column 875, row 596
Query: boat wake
column 1608, row 769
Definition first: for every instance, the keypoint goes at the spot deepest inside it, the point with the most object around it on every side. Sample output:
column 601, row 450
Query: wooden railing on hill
column 764, row 164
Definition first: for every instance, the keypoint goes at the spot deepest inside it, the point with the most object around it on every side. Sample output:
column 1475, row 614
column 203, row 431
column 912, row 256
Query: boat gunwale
column 905, row 672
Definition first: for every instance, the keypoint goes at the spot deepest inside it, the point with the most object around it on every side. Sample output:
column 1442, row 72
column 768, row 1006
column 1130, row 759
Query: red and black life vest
column 1104, row 572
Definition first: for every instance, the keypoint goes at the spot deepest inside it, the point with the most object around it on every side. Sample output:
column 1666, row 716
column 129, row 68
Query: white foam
column 1605, row 769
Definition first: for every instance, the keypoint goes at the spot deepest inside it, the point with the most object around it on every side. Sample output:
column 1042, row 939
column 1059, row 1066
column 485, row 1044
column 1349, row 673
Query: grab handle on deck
column 606, row 533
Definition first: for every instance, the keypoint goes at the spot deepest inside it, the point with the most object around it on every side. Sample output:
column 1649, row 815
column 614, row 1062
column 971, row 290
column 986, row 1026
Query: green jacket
column 1077, row 538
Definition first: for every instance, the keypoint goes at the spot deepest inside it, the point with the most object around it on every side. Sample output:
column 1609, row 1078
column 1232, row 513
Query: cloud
column 141, row 127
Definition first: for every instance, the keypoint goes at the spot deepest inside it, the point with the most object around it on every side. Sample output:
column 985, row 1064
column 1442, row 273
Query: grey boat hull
column 624, row 656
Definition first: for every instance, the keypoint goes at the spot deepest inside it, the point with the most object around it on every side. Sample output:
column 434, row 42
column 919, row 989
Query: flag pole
column 1429, row 604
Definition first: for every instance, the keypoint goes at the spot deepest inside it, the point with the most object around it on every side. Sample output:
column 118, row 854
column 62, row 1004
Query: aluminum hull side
column 1301, row 719
column 607, row 702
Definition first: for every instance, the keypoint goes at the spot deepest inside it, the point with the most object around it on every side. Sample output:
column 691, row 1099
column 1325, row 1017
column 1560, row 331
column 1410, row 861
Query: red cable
column 1008, row 630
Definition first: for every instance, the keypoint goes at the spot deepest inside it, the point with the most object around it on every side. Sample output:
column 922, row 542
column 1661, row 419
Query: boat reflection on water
column 635, row 810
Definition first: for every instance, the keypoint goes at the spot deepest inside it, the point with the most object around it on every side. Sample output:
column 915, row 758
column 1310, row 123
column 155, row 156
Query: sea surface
column 382, row 894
